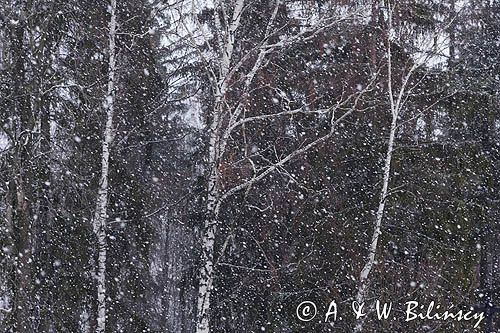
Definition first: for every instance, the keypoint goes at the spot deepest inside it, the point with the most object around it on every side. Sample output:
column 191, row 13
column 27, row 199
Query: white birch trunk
column 395, row 106
column 209, row 230
column 225, row 119
column 99, row 223
column 225, row 38
column 397, row 99
column 363, row 278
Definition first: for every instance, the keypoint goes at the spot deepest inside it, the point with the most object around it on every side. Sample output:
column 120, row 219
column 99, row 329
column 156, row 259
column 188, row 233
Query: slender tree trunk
column 24, row 262
column 209, row 230
column 395, row 106
column 226, row 43
column 363, row 278
column 22, row 194
column 99, row 223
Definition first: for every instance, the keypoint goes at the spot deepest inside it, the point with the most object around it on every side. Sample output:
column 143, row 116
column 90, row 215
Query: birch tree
column 230, row 71
column 400, row 87
column 101, row 209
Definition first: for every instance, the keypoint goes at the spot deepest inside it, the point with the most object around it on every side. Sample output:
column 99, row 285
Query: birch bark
column 99, row 223
column 226, row 39
column 397, row 100
column 228, row 115
column 210, row 228
column 365, row 272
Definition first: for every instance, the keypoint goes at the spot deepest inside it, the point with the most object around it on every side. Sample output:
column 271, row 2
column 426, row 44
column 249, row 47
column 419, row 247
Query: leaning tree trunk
column 396, row 103
column 365, row 272
column 99, row 223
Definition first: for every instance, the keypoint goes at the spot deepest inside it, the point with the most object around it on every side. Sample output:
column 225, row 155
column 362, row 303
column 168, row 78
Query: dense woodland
column 206, row 166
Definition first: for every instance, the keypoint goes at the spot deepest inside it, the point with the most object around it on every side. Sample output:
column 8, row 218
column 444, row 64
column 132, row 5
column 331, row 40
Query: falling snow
column 249, row 166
